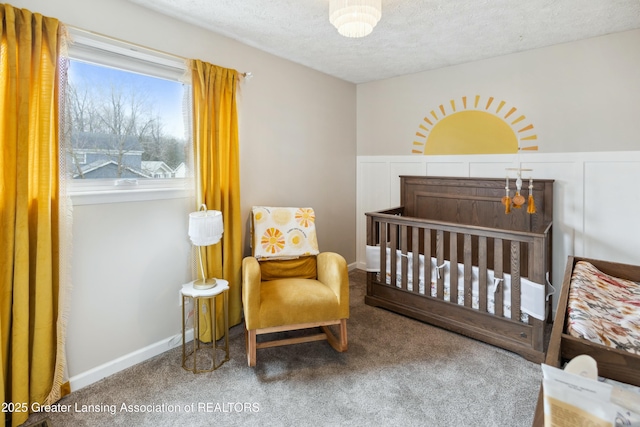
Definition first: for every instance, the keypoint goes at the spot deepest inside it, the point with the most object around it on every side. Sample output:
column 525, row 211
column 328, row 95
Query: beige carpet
column 397, row 372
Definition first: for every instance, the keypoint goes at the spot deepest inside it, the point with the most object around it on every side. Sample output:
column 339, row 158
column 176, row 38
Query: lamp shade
column 205, row 227
column 355, row 18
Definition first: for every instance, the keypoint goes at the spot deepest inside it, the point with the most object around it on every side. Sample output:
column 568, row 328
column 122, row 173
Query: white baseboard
column 99, row 372
column 112, row 367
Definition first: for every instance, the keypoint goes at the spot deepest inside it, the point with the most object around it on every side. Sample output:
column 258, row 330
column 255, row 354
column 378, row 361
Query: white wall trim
column 128, row 360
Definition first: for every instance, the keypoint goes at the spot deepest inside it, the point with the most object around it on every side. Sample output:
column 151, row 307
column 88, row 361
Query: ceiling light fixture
column 355, row 18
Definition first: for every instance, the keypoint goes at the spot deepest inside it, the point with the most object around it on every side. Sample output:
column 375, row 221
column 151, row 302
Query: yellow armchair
column 305, row 292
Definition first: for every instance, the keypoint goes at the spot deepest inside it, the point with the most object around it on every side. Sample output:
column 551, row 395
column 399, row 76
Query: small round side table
column 199, row 296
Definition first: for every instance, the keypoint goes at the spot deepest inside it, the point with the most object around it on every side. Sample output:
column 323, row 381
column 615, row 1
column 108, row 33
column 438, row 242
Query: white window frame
column 105, row 51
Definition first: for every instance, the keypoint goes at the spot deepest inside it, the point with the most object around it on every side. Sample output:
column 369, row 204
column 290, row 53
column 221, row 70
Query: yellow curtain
column 217, row 170
column 29, row 238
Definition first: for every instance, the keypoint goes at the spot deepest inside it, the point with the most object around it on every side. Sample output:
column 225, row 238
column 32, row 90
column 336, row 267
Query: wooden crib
column 462, row 222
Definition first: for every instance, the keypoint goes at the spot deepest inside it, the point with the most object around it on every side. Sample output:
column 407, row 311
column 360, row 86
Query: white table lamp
column 205, row 228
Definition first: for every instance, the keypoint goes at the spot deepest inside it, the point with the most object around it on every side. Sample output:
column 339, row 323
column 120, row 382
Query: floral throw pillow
column 281, row 233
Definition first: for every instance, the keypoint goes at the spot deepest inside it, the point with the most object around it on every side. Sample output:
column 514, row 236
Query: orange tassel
column 506, row 201
column 531, row 207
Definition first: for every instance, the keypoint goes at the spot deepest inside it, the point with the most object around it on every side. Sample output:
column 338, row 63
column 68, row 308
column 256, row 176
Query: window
column 124, row 120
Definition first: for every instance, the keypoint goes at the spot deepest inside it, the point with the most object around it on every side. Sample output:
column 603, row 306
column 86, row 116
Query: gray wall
column 580, row 97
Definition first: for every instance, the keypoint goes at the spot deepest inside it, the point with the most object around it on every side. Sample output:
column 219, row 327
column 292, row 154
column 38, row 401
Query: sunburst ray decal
column 474, row 126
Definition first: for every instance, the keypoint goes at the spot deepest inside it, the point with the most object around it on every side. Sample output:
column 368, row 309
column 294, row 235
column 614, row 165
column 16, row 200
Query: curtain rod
column 247, row 74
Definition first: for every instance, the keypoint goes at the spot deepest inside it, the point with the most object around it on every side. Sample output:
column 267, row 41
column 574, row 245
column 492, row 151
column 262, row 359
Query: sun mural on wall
column 474, row 126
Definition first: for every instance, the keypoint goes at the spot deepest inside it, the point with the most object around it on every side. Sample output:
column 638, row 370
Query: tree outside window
column 123, row 125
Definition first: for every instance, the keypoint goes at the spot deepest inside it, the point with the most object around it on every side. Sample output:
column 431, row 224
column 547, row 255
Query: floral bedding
column 604, row 309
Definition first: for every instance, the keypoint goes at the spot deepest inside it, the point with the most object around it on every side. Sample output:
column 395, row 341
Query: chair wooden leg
column 251, row 347
column 343, row 334
column 341, row 344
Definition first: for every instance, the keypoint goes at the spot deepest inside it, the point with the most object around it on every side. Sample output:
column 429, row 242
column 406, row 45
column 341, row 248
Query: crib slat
column 498, row 274
column 515, row 280
column 440, row 257
column 371, row 236
column 383, row 251
column 393, row 261
column 404, row 283
column 482, row 273
column 427, row 261
column 536, row 273
column 467, row 271
column 453, row 267
column 531, row 272
column 415, row 249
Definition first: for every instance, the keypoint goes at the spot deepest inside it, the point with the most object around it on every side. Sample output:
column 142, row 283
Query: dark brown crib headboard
column 476, row 201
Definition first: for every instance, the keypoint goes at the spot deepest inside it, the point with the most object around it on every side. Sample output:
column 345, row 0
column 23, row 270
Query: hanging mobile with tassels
column 518, row 199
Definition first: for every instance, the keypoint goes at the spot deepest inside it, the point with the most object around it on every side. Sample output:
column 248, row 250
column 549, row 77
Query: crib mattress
column 475, row 300
column 604, row 309
column 532, row 294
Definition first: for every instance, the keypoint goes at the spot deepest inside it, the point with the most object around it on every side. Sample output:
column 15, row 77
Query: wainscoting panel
column 612, row 209
column 374, row 186
column 374, row 179
column 489, row 169
column 447, row 168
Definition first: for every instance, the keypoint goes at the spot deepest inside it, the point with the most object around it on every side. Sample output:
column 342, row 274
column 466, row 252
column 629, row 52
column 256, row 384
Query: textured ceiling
column 412, row 36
